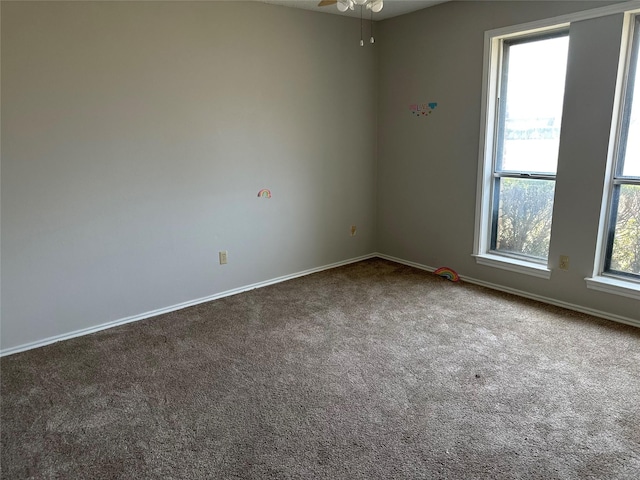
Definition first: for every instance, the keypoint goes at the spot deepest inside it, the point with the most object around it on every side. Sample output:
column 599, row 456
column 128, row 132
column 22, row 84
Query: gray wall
column 428, row 166
column 136, row 136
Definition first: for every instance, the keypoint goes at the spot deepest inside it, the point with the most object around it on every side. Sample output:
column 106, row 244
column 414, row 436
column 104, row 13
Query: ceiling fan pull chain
column 361, row 40
column 371, row 40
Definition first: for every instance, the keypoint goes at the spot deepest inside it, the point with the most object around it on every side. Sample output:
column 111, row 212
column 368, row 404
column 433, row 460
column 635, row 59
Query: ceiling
column 392, row 8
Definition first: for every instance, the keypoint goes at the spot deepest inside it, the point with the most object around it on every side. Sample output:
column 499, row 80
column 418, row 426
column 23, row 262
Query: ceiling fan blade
column 324, row 3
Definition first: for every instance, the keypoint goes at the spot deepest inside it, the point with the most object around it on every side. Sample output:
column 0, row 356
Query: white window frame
column 490, row 84
column 494, row 40
column 601, row 280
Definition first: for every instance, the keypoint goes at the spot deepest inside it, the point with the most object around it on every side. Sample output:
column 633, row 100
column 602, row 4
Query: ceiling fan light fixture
column 375, row 5
column 344, row 5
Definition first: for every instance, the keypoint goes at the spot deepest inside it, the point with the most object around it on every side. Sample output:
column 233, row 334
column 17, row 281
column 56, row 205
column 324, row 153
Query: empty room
column 352, row 239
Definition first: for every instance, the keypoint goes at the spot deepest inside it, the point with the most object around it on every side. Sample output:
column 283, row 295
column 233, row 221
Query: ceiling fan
column 344, row 5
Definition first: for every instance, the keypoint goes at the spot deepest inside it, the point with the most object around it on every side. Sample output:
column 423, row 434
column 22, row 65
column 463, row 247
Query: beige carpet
column 369, row 371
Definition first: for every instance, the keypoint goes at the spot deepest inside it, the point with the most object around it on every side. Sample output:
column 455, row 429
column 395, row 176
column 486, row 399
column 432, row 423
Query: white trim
column 179, row 306
column 487, row 128
column 521, row 293
column 622, row 79
column 490, row 84
column 406, row 262
column 513, row 265
column 491, row 78
column 553, row 301
column 568, row 18
column 615, row 286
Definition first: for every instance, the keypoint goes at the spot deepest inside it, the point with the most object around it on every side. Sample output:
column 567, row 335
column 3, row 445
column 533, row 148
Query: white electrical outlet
column 223, row 257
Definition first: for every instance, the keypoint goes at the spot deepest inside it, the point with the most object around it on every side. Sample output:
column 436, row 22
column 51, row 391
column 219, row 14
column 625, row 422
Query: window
column 520, row 151
column 622, row 233
column 617, row 267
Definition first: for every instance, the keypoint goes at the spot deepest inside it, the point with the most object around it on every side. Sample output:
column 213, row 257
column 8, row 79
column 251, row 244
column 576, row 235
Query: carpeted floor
column 370, row 371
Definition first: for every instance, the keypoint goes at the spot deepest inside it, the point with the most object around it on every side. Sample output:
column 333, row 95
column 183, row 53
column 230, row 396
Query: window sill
column 514, row 265
column 615, row 286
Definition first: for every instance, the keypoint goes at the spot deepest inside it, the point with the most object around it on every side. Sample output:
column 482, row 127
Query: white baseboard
column 190, row 303
column 405, row 262
column 173, row 308
column 521, row 293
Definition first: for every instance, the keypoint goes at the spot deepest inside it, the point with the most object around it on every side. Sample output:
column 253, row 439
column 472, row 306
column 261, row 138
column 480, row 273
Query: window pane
column 533, row 94
column 523, row 218
column 625, row 256
column 631, row 164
